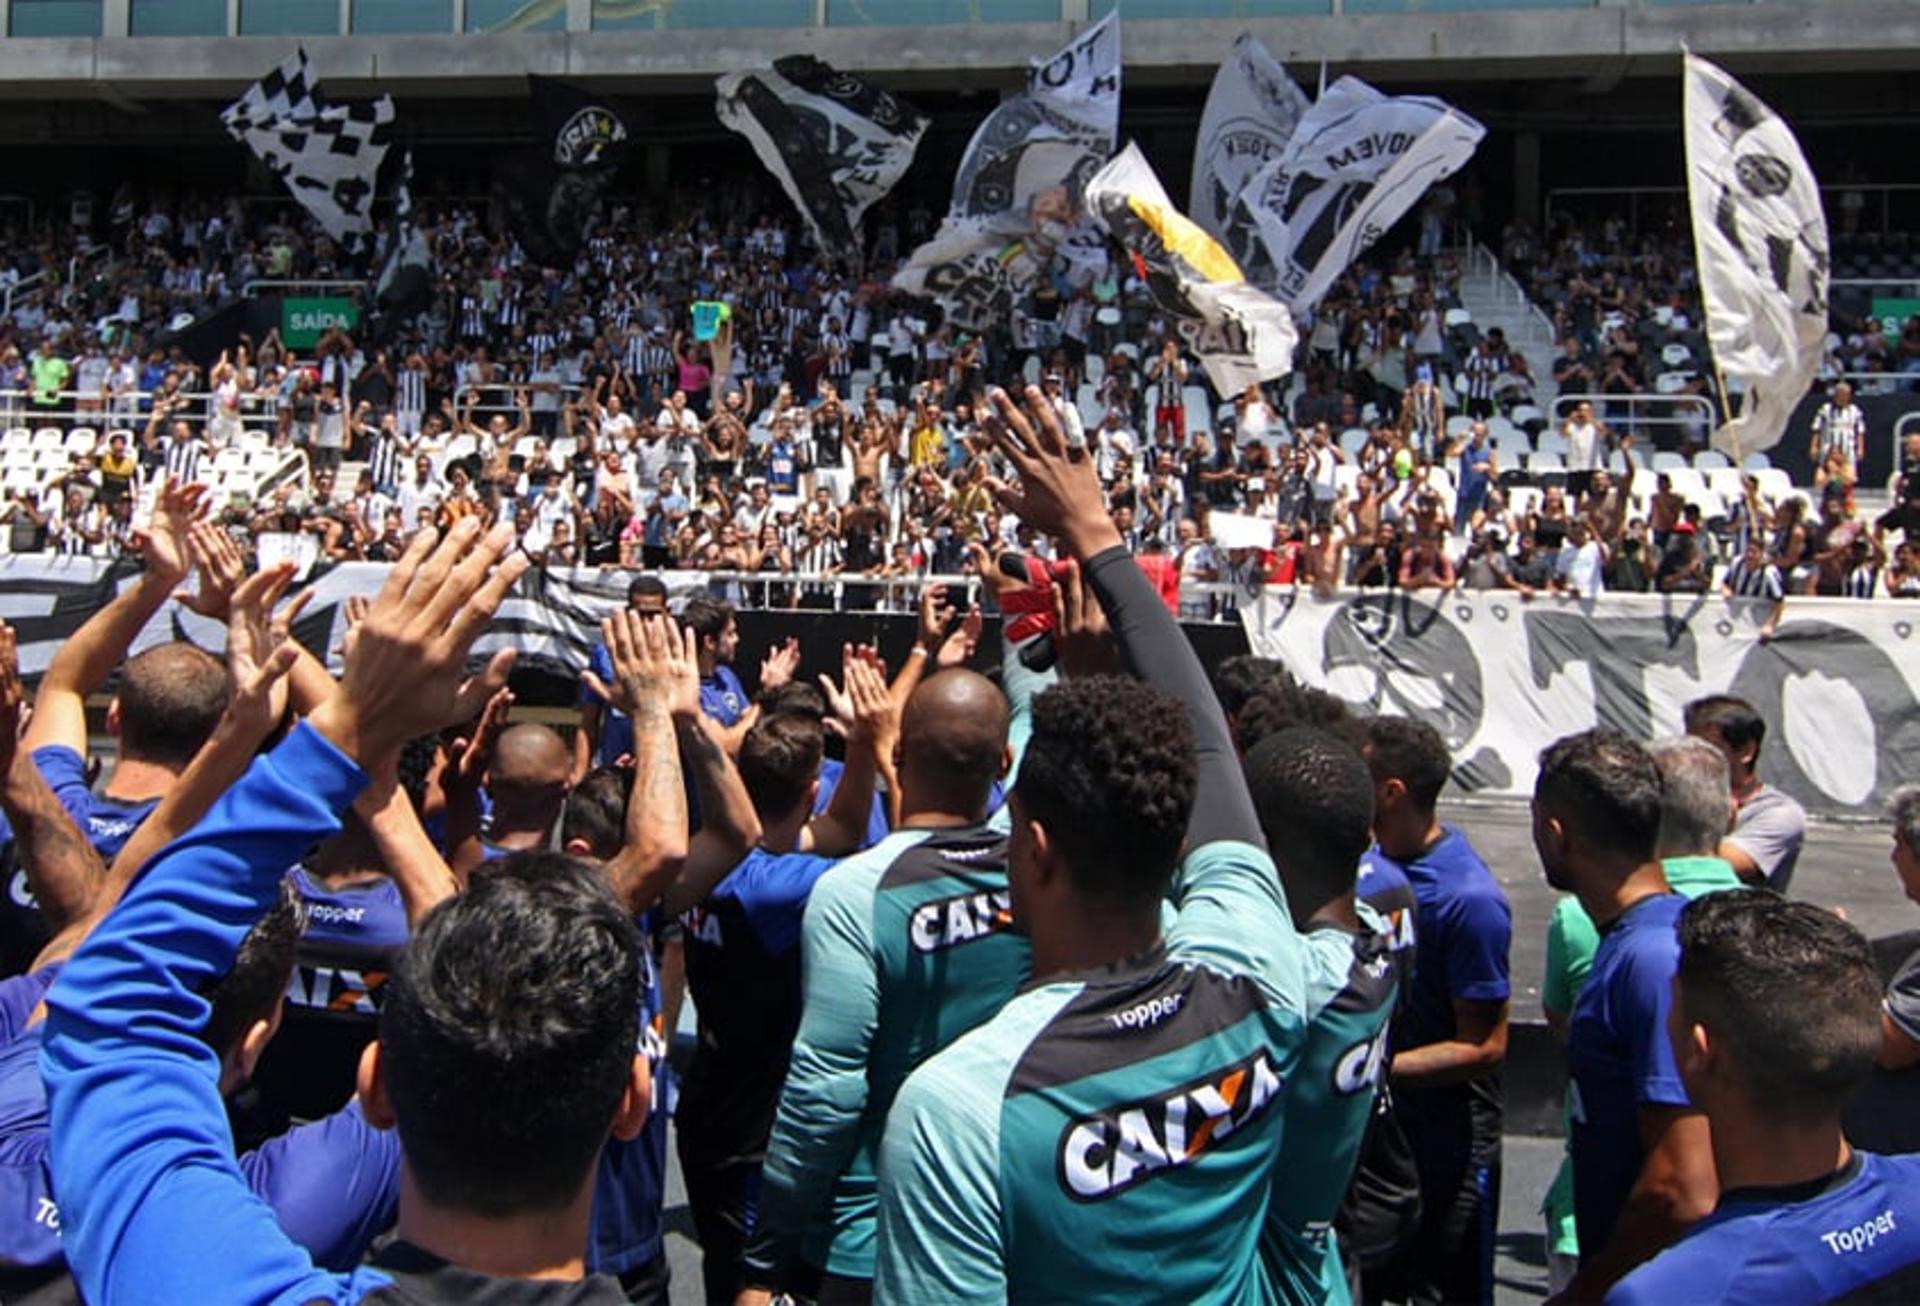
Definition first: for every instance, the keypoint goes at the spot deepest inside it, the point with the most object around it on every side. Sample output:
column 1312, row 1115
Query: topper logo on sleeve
column 949, row 922
column 1105, row 1154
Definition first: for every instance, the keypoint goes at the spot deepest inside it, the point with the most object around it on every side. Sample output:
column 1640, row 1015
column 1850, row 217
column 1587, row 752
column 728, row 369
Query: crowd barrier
column 552, row 618
column 1501, row 678
column 1839, row 684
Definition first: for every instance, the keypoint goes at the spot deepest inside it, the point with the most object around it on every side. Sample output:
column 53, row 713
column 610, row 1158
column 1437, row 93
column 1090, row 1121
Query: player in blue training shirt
column 1315, row 800
column 743, row 963
column 169, row 699
column 1450, row 1039
column 606, row 734
column 1113, row 1133
column 509, row 1043
column 1775, row 1020
column 1642, row 1167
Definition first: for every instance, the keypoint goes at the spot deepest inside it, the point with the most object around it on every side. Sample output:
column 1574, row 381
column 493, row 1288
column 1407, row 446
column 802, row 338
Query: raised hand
column 221, row 566
column 260, row 650
column 165, row 543
column 936, row 614
column 958, row 648
column 655, row 664
column 1059, row 492
column 1084, row 639
column 13, row 698
column 405, row 675
column 467, row 759
column 780, row 664
column 876, row 717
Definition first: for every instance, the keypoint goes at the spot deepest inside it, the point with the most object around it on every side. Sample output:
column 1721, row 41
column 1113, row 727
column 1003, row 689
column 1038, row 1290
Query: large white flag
column 1356, row 163
column 1242, row 335
column 1760, row 237
column 1250, row 116
column 1022, row 182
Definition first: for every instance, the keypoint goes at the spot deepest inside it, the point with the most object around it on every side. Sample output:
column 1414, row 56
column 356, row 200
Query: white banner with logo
column 1760, row 236
column 552, row 616
column 1839, row 685
column 1357, row 162
column 1019, row 194
column 1251, row 112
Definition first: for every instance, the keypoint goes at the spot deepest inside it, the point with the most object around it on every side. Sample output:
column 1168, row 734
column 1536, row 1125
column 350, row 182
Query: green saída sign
column 304, row 321
column 1892, row 314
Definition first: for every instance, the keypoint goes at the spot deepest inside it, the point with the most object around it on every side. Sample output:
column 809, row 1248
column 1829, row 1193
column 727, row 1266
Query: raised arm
column 842, row 827
column 61, row 865
column 148, row 1181
column 646, row 684
column 259, row 655
column 1059, row 494
column 416, row 867
column 84, row 662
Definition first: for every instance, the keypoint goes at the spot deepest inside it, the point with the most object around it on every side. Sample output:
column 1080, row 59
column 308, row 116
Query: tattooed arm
column 729, row 827
column 655, row 848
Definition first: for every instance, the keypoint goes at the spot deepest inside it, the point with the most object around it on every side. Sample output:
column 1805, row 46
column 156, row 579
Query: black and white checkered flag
column 328, row 155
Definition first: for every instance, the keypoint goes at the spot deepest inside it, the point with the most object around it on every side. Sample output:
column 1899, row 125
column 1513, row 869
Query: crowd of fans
column 1070, row 982
column 829, row 428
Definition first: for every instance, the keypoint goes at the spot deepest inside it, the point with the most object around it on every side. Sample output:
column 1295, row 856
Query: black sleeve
column 1158, row 652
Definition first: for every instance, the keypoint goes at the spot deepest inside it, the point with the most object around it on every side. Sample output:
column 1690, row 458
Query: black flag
column 553, row 195
column 836, row 142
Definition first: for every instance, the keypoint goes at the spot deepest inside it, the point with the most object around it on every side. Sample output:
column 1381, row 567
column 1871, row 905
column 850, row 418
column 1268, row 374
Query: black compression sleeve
column 1157, row 650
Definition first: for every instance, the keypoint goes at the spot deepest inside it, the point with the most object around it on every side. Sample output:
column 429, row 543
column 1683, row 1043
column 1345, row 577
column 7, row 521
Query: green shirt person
column 50, row 373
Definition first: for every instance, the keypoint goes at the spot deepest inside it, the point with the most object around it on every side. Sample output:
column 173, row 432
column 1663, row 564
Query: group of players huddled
column 1061, row 986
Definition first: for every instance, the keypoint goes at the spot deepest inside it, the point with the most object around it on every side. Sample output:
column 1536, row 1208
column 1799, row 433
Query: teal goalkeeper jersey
column 1110, row 1136
column 1352, row 983
column 905, row 947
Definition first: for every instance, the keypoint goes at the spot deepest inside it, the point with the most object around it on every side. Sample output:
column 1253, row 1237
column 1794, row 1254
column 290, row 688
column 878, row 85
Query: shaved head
column 953, row 737
column 527, row 758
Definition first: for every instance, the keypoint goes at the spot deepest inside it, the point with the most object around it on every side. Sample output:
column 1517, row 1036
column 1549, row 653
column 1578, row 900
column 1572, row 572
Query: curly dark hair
column 1283, row 703
column 1240, row 677
column 1315, row 799
column 1110, row 773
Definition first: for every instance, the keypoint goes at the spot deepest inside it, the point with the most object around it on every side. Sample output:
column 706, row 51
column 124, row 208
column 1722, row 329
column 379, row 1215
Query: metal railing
column 29, row 288
column 1831, row 195
column 1505, row 285
column 1708, row 417
column 254, row 287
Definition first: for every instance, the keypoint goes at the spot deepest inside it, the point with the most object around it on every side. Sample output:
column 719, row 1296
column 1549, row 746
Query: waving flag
column 1019, row 195
column 1250, row 116
column 1760, row 237
column 1357, row 161
column 1241, row 335
column 327, row 155
column 552, row 193
column 836, row 142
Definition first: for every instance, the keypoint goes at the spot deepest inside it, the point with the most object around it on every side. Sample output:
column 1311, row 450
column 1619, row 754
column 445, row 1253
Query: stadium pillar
column 115, row 18
column 659, row 171
column 1526, row 177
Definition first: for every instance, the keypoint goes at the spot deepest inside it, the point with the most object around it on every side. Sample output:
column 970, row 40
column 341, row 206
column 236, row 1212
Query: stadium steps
column 1495, row 300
